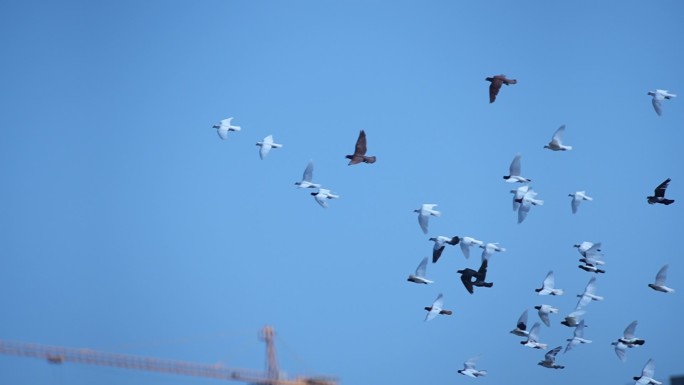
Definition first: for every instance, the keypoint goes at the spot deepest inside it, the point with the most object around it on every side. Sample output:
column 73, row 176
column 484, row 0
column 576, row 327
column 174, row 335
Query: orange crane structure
column 272, row 375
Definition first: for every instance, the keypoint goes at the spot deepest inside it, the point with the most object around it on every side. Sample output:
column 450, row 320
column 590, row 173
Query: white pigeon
column 266, row 144
column 549, row 360
column 419, row 277
column 577, row 337
column 521, row 325
column 588, row 295
column 436, row 309
column 514, row 172
column 592, row 255
column 586, row 245
column 466, row 243
column 528, row 200
column 469, row 368
column 573, row 319
column 659, row 284
column 658, row 97
column 322, row 194
column 577, row 198
column 440, row 243
column 628, row 340
column 491, row 248
column 556, row 143
column 548, row 286
column 518, row 195
column 533, row 338
column 646, row 377
column 424, row 213
column 307, row 178
column 224, row 127
column 543, row 311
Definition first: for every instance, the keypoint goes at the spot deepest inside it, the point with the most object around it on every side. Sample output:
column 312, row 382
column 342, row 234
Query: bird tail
column 369, row 159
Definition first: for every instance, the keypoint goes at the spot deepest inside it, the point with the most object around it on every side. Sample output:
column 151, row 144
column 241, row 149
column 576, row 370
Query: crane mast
column 59, row 355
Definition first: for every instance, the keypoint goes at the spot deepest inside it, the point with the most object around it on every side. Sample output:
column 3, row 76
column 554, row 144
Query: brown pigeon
column 360, row 151
column 495, row 85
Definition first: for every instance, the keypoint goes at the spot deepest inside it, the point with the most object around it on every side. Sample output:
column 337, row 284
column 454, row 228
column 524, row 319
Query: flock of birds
column 524, row 197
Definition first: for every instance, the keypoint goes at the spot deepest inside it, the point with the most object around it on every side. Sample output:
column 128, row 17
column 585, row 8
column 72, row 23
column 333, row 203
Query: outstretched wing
column 558, row 135
column 661, row 276
column 360, row 149
column 514, row 169
column 308, row 172
column 660, row 190
column 494, row 87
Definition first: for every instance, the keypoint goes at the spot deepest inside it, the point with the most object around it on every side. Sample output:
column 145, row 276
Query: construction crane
column 272, row 375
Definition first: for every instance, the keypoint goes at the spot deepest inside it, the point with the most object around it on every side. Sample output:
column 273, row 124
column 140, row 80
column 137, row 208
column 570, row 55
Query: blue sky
column 129, row 226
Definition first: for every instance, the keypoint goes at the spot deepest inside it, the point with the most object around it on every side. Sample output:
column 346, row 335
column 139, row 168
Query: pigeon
column 466, row 243
column 440, row 243
column 436, row 309
column 659, row 194
column 573, row 319
column 592, row 259
column 495, row 85
column 322, row 194
column 556, row 143
column 646, row 377
column 533, row 338
column 490, row 248
column 544, row 311
column 518, row 195
column 469, row 368
column 467, row 276
column 514, row 172
column 224, row 127
column 577, row 198
column 549, row 360
column 658, row 97
column 585, row 246
column 307, row 177
column 359, row 155
column 547, row 286
column 419, row 277
column 424, row 212
column 628, row 340
column 659, row 284
column 266, row 144
column 521, row 326
column 577, row 338
column 588, row 294
column 528, row 200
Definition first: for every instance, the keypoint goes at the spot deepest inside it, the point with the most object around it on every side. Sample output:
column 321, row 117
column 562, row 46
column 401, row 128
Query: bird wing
column 579, row 329
column 466, row 278
column 661, row 276
column 423, row 222
column 437, row 252
column 649, row 369
column 523, row 210
column 470, row 364
column 465, row 248
column 360, row 148
column 534, row 332
column 308, row 172
column 422, row 267
column 549, row 280
column 660, row 190
column 222, row 132
column 551, row 354
column 320, row 198
column 482, row 271
column 558, row 135
column 620, row 350
column 514, row 169
column 656, row 104
column 544, row 316
column 629, row 330
column 574, row 204
column 522, row 321
column 494, row 87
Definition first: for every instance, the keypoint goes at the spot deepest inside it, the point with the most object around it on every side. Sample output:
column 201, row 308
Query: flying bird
column 592, row 259
column 628, row 340
column 514, row 172
column 424, row 213
column 518, row 195
column 543, row 311
column 588, row 295
column 646, row 377
column 266, row 144
column 583, row 247
column 495, row 85
column 491, row 248
column 659, row 194
column 573, row 319
column 526, row 202
column 436, row 309
column 556, row 143
column 359, row 155
column 658, row 97
column 322, row 194
column 466, row 243
column 549, row 360
column 224, row 127
column 548, row 286
column 659, row 284
column 521, row 326
column 419, row 277
column 307, row 178
column 440, row 243
column 577, row 198
column 533, row 338
column 577, row 338
column 469, row 368
column 480, row 275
